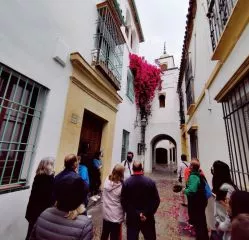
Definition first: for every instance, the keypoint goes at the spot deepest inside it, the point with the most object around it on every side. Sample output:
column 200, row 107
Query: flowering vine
column 147, row 79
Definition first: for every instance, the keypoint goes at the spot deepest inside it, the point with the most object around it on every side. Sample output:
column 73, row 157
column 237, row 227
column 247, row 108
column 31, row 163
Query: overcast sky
column 162, row 20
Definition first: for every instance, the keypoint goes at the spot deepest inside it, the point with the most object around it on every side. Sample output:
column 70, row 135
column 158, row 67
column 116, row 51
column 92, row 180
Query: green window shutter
column 130, row 85
column 125, row 145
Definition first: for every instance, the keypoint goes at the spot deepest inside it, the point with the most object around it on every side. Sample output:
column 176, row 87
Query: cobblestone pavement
column 171, row 216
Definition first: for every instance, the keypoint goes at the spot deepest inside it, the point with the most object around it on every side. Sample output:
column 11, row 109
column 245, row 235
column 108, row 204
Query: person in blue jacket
column 83, row 170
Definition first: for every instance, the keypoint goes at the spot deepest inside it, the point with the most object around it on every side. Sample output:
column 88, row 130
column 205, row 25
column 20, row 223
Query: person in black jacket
column 65, row 219
column 41, row 196
column 140, row 200
column 69, row 174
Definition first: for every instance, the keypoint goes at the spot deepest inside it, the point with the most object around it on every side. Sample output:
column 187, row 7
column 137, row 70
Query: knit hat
column 69, row 193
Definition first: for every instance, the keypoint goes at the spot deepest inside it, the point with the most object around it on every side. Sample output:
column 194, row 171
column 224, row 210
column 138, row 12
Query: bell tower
column 165, row 61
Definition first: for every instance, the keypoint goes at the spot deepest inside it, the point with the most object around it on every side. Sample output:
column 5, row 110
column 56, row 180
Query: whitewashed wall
column 164, row 120
column 212, row 142
column 28, row 40
column 126, row 114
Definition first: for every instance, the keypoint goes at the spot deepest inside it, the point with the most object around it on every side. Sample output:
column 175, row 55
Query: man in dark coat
column 140, row 200
column 69, row 174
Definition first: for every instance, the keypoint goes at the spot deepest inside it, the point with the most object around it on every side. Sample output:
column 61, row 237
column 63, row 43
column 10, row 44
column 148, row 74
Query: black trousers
column 199, row 221
column 95, row 182
column 147, row 228
column 111, row 229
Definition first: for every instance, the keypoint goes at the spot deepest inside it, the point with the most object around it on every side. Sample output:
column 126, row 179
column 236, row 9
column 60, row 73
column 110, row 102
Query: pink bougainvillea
column 147, row 79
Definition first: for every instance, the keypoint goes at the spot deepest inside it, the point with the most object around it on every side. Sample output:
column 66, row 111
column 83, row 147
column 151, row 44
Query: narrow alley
column 88, row 85
column 171, row 216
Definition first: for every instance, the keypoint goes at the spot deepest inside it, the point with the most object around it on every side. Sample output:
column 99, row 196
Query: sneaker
column 94, row 198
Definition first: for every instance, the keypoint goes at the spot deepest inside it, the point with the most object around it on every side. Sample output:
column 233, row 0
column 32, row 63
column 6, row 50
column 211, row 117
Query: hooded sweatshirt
column 112, row 209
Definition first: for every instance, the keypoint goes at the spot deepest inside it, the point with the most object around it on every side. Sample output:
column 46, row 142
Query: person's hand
column 142, row 217
column 225, row 204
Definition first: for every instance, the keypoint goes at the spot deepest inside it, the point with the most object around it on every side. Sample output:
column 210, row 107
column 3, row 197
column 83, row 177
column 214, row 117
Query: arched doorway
column 163, row 149
column 161, row 155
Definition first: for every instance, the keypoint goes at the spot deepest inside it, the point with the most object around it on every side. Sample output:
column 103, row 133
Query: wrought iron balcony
column 108, row 52
column 219, row 12
column 181, row 111
column 190, row 94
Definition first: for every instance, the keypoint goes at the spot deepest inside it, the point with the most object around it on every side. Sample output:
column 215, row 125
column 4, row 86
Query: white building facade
column 125, row 138
column 213, row 86
column 162, row 137
column 36, row 41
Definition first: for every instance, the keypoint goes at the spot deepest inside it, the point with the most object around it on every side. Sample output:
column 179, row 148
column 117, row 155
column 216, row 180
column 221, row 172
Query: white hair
column 46, row 166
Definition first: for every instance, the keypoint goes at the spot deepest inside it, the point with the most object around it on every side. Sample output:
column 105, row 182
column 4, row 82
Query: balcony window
column 130, row 85
column 219, row 12
column 236, row 116
column 181, row 103
column 189, row 82
column 162, row 101
column 108, row 52
column 21, row 105
column 193, row 142
column 125, row 145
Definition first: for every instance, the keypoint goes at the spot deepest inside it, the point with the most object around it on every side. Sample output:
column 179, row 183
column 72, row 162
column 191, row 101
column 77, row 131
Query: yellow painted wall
column 96, row 101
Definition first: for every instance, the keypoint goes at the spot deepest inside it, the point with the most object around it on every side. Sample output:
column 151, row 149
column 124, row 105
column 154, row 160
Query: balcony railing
column 219, row 12
column 108, row 52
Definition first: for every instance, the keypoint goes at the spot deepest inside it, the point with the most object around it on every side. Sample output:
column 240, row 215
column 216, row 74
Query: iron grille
column 189, row 81
column 193, row 143
column 236, row 116
column 108, row 52
column 21, row 103
column 181, row 103
column 218, row 13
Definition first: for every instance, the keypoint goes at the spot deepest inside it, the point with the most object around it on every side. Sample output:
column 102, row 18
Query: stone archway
column 171, row 152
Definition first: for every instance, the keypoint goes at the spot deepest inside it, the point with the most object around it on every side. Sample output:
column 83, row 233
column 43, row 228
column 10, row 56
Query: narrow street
column 170, row 217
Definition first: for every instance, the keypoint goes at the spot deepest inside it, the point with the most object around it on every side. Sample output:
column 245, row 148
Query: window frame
column 162, row 102
column 235, row 107
column 193, row 139
column 189, row 84
column 125, row 144
column 23, row 101
column 130, row 86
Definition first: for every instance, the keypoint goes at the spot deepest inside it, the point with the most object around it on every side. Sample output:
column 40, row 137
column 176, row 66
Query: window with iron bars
column 21, row 106
column 181, row 105
column 189, row 82
column 108, row 52
column 125, row 145
column 130, row 85
column 193, row 143
column 236, row 115
column 219, row 12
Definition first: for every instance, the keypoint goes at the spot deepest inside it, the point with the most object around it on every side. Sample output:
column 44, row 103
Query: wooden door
column 91, row 133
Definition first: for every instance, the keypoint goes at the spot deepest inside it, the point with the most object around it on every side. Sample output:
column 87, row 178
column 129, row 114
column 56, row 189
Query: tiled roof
column 187, row 38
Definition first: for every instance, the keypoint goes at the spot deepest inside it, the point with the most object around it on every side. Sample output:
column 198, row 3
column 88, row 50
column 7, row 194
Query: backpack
column 205, row 187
